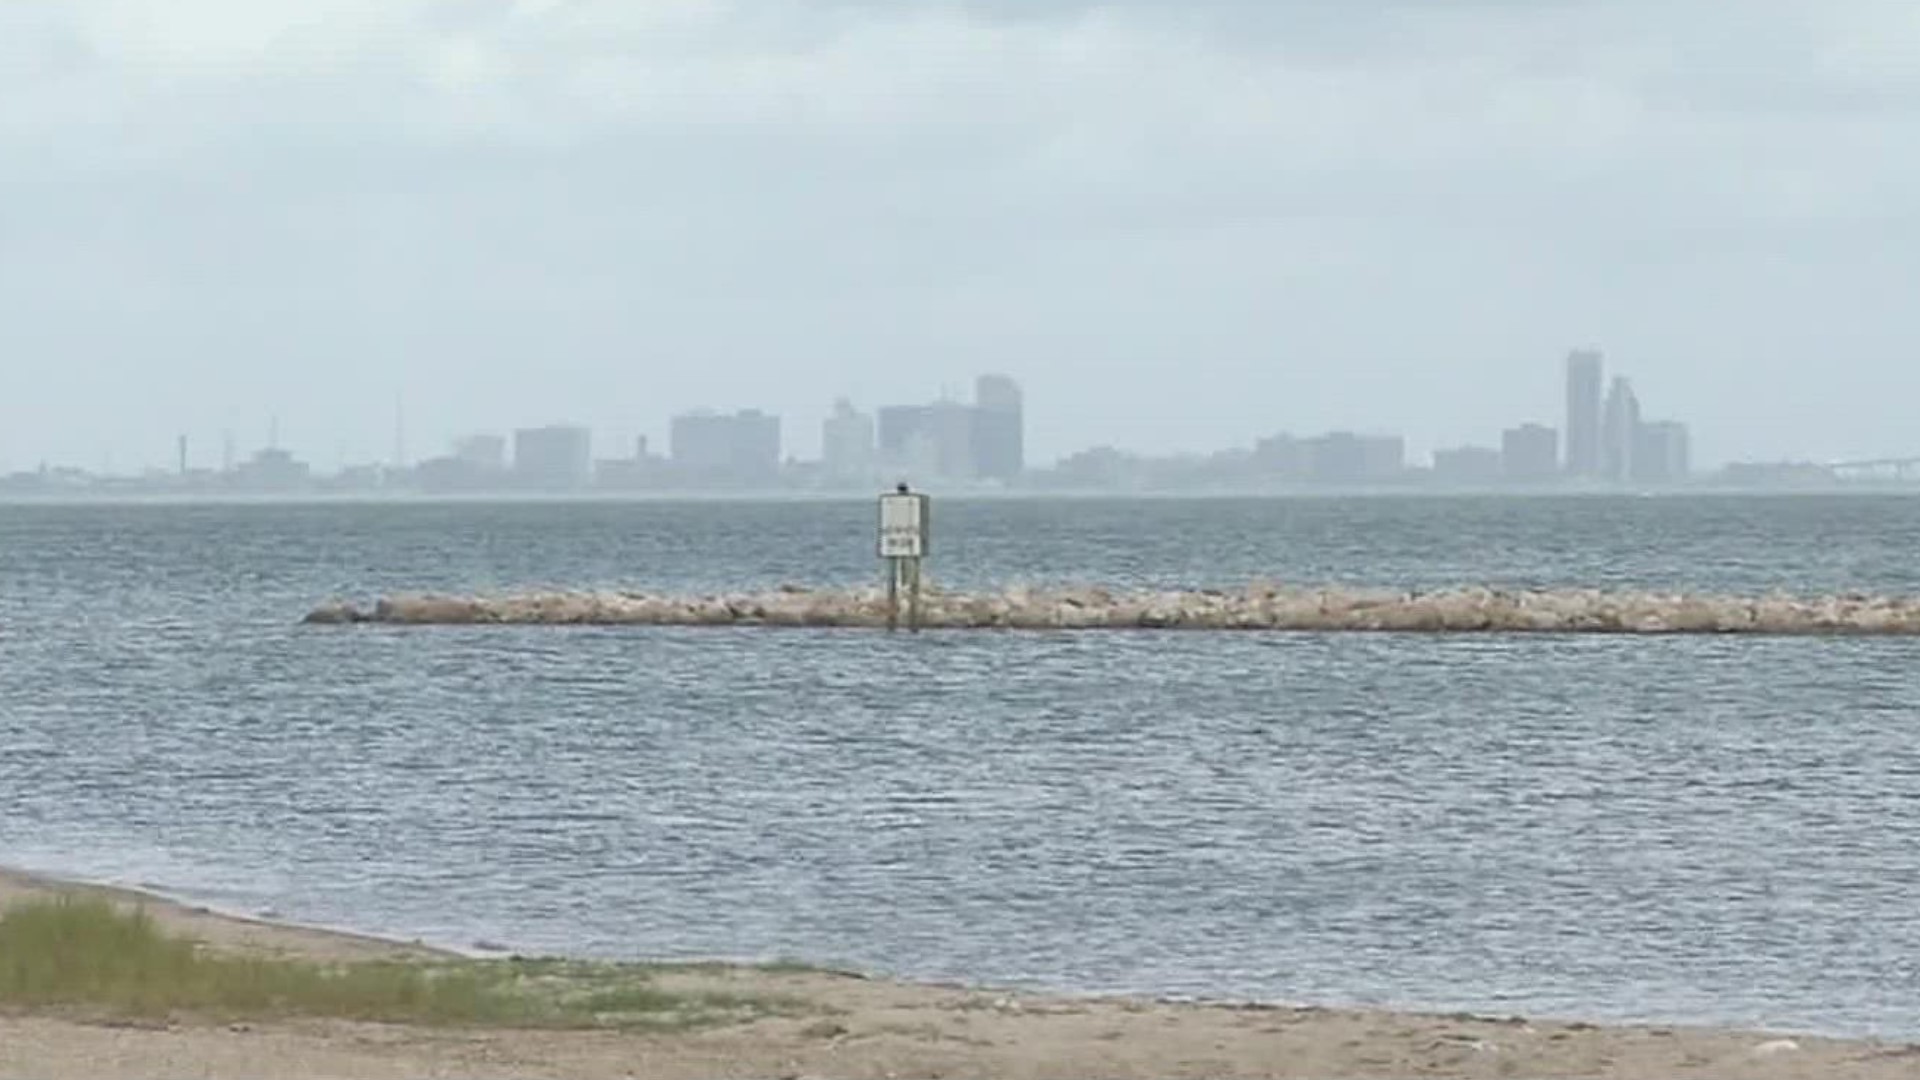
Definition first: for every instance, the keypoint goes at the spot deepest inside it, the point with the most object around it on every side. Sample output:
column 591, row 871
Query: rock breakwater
column 1257, row 607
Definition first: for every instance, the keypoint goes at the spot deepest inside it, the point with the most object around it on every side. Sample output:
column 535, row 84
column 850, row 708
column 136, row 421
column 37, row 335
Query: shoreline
column 877, row 1026
column 181, row 911
column 224, row 927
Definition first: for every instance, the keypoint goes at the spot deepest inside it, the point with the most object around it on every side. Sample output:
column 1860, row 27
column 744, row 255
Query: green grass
column 85, row 953
column 764, row 967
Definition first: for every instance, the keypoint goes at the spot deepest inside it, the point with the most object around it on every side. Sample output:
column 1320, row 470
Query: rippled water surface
column 1689, row 829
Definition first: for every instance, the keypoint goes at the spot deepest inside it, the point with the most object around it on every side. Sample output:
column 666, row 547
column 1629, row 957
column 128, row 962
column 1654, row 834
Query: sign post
column 905, row 525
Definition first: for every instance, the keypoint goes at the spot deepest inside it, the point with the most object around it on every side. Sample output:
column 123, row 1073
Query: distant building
column 847, row 444
column 1467, row 465
column 1343, row 457
column 742, row 448
column 756, row 445
column 482, row 451
column 953, row 427
column 1337, row 458
column 558, row 457
column 272, row 470
column 898, row 425
column 359, row 478
column 946, row 439
column 1661, row 454
column 1102, row 467
column 1384, row 457
column 1283, row 457
column 928, row 440
column 642, row 470
column 1619, row 431
column 1584, row 379
column 998, row 437
column 904, row 440
column 701, row 442
column 439, row 475
column 477, row 463
column 1530, row 453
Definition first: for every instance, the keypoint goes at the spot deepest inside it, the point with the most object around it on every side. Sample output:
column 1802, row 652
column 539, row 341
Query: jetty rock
column 1262, row 606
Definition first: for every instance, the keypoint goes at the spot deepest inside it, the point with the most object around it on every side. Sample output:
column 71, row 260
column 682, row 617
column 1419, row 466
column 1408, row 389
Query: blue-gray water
column 1685, row 829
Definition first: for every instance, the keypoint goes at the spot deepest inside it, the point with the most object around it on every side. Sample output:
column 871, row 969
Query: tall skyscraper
column 899, row 425
column 1620, row 430
column 846, row 444
column 999, row 433
column 1583, row 413
column 928, row 441
column 905, row 441
column 952, row 428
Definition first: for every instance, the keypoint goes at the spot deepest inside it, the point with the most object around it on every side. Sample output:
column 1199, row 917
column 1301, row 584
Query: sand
column 879, row 1028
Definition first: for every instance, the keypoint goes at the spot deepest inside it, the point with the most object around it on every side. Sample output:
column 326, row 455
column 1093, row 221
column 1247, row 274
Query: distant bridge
column 1907, row 468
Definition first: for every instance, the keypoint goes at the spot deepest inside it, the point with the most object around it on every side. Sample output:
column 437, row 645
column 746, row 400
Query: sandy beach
column 862, row 1027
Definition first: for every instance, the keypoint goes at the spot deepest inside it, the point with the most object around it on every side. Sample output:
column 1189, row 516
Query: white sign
column 903, row 526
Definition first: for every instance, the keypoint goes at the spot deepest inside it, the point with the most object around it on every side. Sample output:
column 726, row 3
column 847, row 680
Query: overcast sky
column 1181, row 224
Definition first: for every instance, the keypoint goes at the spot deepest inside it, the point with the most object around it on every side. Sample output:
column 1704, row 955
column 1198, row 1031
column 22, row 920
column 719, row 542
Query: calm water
column 1714, row 830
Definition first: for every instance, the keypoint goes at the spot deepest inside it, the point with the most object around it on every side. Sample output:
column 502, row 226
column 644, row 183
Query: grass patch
column 86, row 953
column 763, row 967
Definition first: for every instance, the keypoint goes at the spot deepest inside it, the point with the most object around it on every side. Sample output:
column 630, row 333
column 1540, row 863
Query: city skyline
column 944, row 437
column 404, row 434
column 797, row 441
column 981, row 444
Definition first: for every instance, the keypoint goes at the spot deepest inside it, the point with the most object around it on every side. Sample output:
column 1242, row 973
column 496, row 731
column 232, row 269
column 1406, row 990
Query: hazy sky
column 1182, row 224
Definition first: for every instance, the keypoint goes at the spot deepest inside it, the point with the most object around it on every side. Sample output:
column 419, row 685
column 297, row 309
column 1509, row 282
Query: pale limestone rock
column 333, row 612
column 1470, row 609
